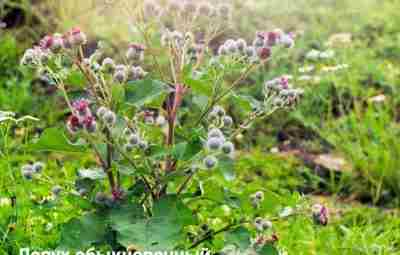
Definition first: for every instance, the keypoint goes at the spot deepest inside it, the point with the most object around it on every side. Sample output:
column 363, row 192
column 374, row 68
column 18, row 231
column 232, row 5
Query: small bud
column 137, row 73
column 129, row 147
column 73, row 124
column 56, row 190
column 228, row 121
column 219, row 110
column 77, row 37
column 241, row 45
column 100, row 198
column 259, row 41
column 287, row 41
column 215, row 132
column 134, row 139
column 262, row 224
column 143, row 145
column 264, row 53
column 27, row 174
column 27, row 171
column 90, row 124
column 46, row 42
column 101, row 112
column 120, row 76
column 222, row 50
column 259, row 195
column 231, row 46
column 320, row 214
column 110, row 118
column 258, row 223
column 250, row 52
column 228, row 147
column 82, row 192
column 38, row 167
column 210, row 162
column 108, row 65
column 135, row 52
column 57, row 43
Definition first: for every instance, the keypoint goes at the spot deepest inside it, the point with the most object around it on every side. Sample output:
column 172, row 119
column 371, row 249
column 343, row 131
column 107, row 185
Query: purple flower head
column 46, row 42
column 81, row 106
column 320, row 214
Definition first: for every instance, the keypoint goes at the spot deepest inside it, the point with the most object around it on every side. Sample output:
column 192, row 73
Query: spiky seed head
column 219, row 110
column 108, row 65
column 215, row 132
column 38, row 167
column 143, row 145
column 77, row 37
column 134, row 139
column 241, row 44
column 120, row 76
column 259, row 195
column 228, row 147
column 56, row 190
column 109, row 118
column 129, row 147
column 101, row 112
column 101, row 198
column 228, row 121
column 214, row 143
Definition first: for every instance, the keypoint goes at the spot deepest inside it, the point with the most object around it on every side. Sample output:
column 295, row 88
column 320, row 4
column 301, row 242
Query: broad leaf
column 227, row 167
column 53, row 139
column 240, row 237
column 81, row 233
column 163, row 231
column 139, row 93
column 268, row 249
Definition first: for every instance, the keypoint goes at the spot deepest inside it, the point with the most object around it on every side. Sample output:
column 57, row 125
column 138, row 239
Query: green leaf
column 139, row 93
column 53, row 139
column 240, row 237
column 268, row 249
column 76, row 78
column 163, row 231
column 199, row 86
column 81, row 233
column 227, row 167
column 246, row 102
column 126, row 214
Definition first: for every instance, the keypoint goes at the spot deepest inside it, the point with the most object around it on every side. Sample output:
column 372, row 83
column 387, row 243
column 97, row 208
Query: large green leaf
column 227, row 167
column 268, row 249
column 201, row 87
column 54, row 139
column 240, row 237
column 139, row 93
column 163, row 231
column 81, row 233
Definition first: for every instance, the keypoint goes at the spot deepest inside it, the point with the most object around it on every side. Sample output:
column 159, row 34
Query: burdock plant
column 155, row 124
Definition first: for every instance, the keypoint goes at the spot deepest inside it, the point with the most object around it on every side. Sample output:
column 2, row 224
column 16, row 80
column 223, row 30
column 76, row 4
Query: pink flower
column 320, row 214
column 74, row 124
column 264, row 53
column 46, row 42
